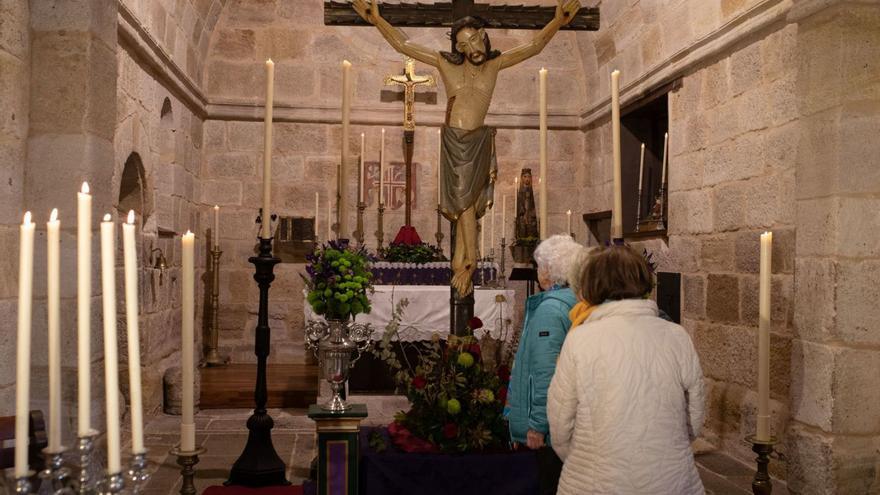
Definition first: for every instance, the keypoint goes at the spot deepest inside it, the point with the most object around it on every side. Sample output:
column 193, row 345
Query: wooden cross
column 443, row 14
column 409, row 80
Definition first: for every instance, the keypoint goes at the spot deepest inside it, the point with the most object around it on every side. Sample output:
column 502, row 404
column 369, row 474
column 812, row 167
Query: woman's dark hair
column 617, row 272
column 455, row 56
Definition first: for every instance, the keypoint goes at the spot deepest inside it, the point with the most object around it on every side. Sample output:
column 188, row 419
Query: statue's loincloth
column 468, row 170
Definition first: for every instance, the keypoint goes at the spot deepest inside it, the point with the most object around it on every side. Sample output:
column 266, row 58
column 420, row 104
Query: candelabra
column 380, row 232
column 212, row 357
column 761, row 484
column 359, row 233
column 187, row 461
column 439, row 234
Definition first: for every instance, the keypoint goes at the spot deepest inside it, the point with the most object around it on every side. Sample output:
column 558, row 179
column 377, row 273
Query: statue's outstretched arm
column 395, row 37
column 565, row 12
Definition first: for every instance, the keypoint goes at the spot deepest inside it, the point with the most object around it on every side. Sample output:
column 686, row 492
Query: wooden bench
column 38, row 441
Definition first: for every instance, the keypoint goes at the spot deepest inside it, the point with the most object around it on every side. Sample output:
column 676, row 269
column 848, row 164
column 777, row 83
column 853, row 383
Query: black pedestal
column 259, row 464
column 461, row 309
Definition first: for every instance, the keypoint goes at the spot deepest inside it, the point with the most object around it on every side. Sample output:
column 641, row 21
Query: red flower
column 502, row 395
column 419, row 382
column 450, row 430
column 504, row 373
column 475, row 350
column 475, row 323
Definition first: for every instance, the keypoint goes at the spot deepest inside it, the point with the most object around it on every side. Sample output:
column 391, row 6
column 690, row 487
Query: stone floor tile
column 717, row 485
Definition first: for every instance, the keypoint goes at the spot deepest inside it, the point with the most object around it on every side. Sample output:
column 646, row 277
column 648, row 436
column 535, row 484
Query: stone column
column 834, row 434
column 70, row 139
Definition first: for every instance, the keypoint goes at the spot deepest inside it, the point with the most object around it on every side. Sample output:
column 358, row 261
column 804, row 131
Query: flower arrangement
column 338, row 280
column 412, row 253
column 456, row 398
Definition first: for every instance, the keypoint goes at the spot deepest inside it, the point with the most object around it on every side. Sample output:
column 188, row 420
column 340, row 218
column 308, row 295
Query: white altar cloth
column 428, row 310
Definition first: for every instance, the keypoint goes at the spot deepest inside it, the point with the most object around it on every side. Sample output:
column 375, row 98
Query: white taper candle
column 266, row 228
column 617, row 207
column 53, row 308
column 83, row 310
column 187, row 358
column 23, row 344
column 542, row 146
column 129, row 250
column 111, row 358
column 764, row 284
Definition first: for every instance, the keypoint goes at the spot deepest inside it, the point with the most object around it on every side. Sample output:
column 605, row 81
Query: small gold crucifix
column 409, row 80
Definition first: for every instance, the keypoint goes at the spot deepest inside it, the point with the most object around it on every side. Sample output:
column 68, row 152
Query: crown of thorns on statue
column 455, row 56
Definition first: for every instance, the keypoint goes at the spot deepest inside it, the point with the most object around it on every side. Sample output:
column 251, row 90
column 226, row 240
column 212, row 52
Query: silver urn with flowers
column 338, row 281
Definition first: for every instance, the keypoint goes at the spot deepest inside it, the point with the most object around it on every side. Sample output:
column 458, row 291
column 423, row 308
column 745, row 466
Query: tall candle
column 515, row 199
column 187, row 365
column 492, row 230
column 665, row 158
column 361, row 172
column 482, row 238
column 617, row 208
column 765, row 265
column 131, row 320
column 23, row 344
column 568, row 214
column 216, row 227
column 317, row 213
column 83, row 309
column 503, row 216
column 266, row 231
column 641, row 166
column 329, row 219
column 542, row 178
column 53, row 301
column 111, row 359
column 439, row 166
column 342, row 207
column 382, row 169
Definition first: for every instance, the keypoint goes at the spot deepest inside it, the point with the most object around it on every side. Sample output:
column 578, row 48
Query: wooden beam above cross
column 443, row 14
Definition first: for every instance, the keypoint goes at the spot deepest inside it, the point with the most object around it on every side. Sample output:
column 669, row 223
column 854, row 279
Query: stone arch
column 133, row 191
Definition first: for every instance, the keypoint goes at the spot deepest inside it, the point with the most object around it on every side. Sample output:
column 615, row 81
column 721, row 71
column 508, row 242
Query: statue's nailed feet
column 461, row 280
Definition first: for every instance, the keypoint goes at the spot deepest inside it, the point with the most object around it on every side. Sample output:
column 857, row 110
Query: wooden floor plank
column 232, row 386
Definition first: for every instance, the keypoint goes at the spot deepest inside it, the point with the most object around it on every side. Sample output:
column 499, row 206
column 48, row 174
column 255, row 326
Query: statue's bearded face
column 472, row 43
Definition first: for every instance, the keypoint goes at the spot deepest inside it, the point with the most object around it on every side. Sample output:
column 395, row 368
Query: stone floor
column 222, row 433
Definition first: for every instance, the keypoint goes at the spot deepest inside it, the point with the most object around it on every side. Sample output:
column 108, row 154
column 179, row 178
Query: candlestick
column 515, row 203
column 53, row 270
column 568, row 214
column 55, row 477
column 763, row 420
column 439, row 167
column 329, row 219
column 617, row 208
column 137, row 473
column 131, row 318
column 542, row 120
column 438, row 235
column 503, row 216
column 361, row 172
column 212, row 357
column 317, row 214
column 359, row 233
column 382, row 169
column 23, row 344
column 639, row 195
column 492, row 229
column 187, row 423
column 111, row 359
column 217, row 227
column 380, row 227
column 665, row 157
column 266, row 226
column 187, row 459
column 342, row 202
column 83, row 309
column 482, row 239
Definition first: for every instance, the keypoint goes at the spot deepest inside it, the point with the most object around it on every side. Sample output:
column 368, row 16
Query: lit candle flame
column 85, row 188
column 54, row 216
column 188, row 233
column 27, row 218
column 107, row 217
column 130, row 217
column 216, row 207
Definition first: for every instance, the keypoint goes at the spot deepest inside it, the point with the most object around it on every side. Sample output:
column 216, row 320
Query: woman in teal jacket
column 544, row 328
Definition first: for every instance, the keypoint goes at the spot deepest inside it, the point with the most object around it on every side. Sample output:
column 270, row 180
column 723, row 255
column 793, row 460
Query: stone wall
column 14, row 78
column 307, row 135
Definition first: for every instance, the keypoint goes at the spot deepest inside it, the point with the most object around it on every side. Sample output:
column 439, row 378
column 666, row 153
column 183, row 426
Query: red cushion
column 243, row 490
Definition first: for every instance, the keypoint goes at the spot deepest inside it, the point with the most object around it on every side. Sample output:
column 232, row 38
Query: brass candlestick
column 380, row 232
column 212, row 357
column 439, row 234
column 359, row 233
column 761, row 484
column 502, row 277
column 187, row 461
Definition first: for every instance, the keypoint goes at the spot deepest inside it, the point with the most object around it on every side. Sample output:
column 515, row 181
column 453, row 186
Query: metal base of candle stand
column 439, row 234
column 212, row 356
column 359, row 233
column 23, row 484
column 187, row 462
column 56, row 475
column 761, row 484
column 88, row 480
column 380, row 230
column 259, row 464
column 113, row 483
column 137, row 473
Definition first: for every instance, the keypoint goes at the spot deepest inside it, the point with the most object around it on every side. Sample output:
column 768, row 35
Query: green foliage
column 339, row 281
column 415, row 253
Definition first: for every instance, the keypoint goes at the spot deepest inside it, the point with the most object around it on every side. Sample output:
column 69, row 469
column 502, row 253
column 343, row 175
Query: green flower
column 465, row 360
column 453, row 407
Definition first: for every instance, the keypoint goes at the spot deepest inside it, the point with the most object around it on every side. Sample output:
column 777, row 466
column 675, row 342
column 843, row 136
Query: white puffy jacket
column 625, row 403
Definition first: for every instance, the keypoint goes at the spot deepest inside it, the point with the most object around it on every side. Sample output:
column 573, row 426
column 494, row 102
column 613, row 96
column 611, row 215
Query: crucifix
column 409, row 80
column 469, row 71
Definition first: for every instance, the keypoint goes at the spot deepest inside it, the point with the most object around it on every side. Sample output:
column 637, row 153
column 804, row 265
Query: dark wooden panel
column 232, row 386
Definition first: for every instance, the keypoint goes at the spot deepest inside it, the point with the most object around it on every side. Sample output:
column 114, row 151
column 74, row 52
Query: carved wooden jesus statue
column 469, row 72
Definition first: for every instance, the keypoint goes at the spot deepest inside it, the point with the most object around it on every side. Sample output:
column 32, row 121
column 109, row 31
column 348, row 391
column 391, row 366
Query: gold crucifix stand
column 409, row 80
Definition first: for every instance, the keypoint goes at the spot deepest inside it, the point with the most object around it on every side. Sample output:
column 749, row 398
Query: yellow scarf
column 579, row 313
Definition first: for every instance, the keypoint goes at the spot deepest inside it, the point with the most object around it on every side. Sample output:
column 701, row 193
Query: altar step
column 232, row 386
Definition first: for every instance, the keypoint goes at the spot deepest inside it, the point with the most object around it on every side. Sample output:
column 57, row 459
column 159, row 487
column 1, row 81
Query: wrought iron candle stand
column 212, row 357
column 380, row 232
column 187, row 461
column 333, row 342
column 259, row 464
column 359, row 233
column 761, row 484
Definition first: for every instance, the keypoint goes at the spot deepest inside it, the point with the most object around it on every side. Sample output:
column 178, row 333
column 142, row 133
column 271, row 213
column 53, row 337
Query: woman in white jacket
column 626, row 400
